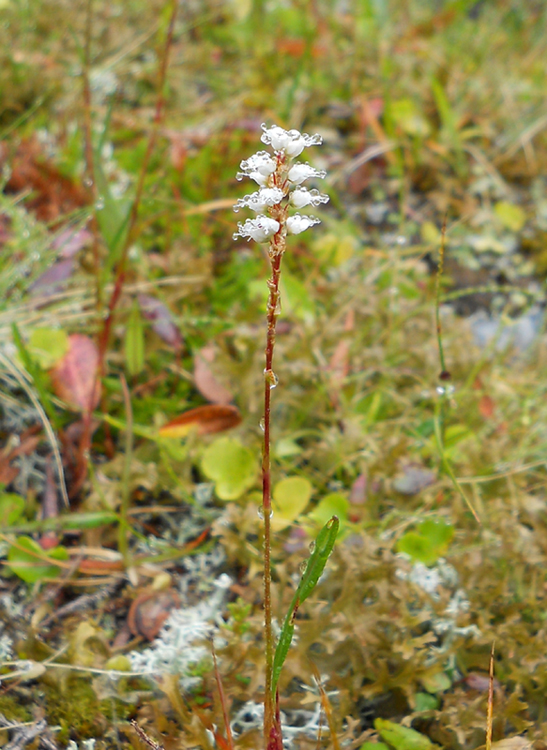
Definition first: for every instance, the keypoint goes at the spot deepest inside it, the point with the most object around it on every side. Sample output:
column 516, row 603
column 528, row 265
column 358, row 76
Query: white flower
column 292, row 142
column 260, row 200
column 259, row 229
column 258, row 167
column 301, row 197
column 297, row 223
column 300, row 172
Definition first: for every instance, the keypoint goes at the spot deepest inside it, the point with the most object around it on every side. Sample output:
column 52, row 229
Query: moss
column 12, row 709
column 73, row 705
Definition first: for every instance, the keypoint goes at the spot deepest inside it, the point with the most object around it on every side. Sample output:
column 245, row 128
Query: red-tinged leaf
column 161, row 319
column 487, row 406
column 479, row 682
column 150, row 610
column 50, row 507
column 52, row 281
column 205, row 381
column 74, row 377
column 339, row 364
column 358, row 492
column 206, row 420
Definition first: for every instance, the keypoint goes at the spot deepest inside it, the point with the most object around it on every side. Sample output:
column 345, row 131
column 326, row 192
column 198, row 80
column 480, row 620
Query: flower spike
column 281, row 188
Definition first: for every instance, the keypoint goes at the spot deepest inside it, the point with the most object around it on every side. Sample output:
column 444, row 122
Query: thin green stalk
column 124, row 507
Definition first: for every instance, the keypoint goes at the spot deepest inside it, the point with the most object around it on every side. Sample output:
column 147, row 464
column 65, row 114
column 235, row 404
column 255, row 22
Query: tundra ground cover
column 425, row 113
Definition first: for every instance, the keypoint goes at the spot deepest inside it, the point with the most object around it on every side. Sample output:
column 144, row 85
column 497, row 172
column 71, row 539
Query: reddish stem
column 276, row 250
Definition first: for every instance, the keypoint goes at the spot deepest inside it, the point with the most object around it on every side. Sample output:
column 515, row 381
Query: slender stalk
column 119, row 279
column 269, row 377
column 128, row 458
column 275, row 252
column 279, row 178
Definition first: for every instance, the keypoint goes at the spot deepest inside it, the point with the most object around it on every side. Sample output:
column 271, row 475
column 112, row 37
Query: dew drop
column 260, row 513
column 271, row 378
column 312, row 547
column 99, row 203
column 88, row 182
column 262, row 424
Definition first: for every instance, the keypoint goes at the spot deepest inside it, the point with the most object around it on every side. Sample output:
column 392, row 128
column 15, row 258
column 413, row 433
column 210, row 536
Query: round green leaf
column 333, row 504
column 511, row 216
column 290, row 497
column 47, row 346
column 26, row 559
column 11, row 508
column 231, row 466
column 402, row 738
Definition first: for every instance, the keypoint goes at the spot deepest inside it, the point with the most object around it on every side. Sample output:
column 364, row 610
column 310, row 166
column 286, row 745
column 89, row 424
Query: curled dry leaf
column 206, row 420
column 150, row 610
column 205, row 381
column 74, row 377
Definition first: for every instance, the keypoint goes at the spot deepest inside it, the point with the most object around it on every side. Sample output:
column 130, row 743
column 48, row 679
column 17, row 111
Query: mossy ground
column 452, row 98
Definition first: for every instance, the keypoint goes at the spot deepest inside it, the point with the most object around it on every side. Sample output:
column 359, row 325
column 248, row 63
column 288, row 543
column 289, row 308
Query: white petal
column 292, row 142
column 297, row 223
column 300, row 172
column 260, row 200
column 259, row 229
column 301, row 197
column 261, row 162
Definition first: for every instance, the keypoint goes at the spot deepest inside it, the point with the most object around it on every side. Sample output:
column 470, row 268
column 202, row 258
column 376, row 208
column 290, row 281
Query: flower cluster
column 280, row 180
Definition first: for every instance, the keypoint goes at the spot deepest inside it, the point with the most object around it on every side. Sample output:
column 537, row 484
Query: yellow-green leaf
column 231, row 466
column 511, row 216
column 290, row 498
column 134, row 342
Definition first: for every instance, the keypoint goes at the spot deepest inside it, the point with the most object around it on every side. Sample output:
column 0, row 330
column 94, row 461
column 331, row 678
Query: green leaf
column 290, row 497
column 134, row 342
column 429, row 542
column 436, row 683
column 406, row 114
column 29, row 561
column 438, row 531
column 231, row 466
column 374, row 746
column 11, row 508
column 426, row 702
column 402, row 738
column 47, row 346
column 511, row 216
column 314, row 568
column 333, row 504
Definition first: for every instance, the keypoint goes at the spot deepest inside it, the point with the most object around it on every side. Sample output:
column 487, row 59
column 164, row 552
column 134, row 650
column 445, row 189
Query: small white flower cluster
column 279, row 180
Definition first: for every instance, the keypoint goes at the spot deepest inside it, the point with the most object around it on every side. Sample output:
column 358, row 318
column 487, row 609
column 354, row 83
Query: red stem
column 276, row 250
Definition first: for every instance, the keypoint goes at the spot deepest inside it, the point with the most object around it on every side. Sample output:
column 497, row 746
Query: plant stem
column 275, row 253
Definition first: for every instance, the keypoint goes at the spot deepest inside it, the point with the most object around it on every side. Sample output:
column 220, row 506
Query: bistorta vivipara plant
column 280, row 181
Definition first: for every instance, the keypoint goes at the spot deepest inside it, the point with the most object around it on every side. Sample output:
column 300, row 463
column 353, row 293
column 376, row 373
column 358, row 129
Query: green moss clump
column 13, row 710
column 74, row 706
